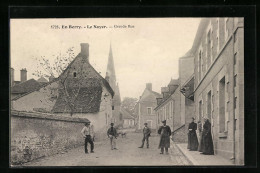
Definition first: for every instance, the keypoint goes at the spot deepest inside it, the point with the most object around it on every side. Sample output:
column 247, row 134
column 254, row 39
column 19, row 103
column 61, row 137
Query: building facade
column 218, row 51
column 174, row 106
column 168, row 107
column 144, row 108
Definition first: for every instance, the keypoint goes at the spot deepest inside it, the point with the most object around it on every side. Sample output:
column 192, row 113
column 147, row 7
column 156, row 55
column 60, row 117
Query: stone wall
column 35, row 135
column 180, row 135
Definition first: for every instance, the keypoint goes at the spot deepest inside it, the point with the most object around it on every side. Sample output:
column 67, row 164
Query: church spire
column 110, row 74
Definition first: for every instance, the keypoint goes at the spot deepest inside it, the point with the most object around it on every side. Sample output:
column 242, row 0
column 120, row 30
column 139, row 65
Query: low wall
column 180, row 135
column 35, row 135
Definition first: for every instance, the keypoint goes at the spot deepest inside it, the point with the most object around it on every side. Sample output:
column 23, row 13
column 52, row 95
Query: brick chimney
column 12, row 77
column 149, row 86
column 85, row 50
column 23, row 74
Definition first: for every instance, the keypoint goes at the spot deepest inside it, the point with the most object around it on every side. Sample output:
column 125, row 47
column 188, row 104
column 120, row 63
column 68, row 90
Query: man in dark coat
column 165, row 132
column 207, row 142
column 192, row 136
column 147, row 133
column 112, row 134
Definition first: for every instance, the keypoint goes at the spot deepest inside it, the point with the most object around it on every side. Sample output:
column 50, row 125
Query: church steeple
column 111, row 74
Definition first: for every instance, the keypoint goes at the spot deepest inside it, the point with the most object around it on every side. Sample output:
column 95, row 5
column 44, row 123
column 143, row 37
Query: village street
column 127, row 154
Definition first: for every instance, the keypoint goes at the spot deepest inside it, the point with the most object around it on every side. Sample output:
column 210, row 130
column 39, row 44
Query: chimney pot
column 85, row 49
column 149, row 86
column 12, row 77
column 23, row 74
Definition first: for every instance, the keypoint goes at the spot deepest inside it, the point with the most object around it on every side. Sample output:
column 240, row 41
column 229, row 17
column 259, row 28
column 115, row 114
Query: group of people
column 88, row 133
column 205, row 146
column 165, row 132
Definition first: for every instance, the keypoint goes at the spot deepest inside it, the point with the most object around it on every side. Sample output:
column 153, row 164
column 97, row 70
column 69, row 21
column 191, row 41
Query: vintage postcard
column 127, row 91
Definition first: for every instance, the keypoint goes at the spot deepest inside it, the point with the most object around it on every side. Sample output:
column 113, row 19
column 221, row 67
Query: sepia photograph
column 127, row 91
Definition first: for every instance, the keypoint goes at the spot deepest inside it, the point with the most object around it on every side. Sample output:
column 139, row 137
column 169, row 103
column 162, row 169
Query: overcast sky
column 149, row 52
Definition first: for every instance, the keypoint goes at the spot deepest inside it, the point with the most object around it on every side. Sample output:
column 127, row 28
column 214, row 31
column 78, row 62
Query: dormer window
column 74, row 74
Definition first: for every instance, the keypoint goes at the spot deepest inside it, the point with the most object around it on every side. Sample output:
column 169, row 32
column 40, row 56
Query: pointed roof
column 42, row 79
column 111, row 69
column 111, row 78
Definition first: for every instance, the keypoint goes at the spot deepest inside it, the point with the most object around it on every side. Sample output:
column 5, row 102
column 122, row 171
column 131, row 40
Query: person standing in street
column 207, row 142
column 112, row 134
column 192, row 136
column 88, row 134
column 147, row 133
column 165, row 132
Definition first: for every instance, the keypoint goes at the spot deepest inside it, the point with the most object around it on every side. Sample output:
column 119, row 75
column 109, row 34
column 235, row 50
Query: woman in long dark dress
column 192, row 137
column 207, row 142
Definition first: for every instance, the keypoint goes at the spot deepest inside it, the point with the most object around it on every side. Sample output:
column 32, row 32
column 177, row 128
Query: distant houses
column 144, row 108
column 24, row 86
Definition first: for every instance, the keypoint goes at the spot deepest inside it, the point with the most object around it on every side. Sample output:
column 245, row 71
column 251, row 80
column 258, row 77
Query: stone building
column 144, row 108
column 128, row 119
column 218, row 51
column 169, row 105
column 80, row 91
column 116, row 101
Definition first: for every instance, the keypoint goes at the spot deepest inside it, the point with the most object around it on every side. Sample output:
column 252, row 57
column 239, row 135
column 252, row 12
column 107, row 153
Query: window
column 74, row 74
column 235, row 102
column 235, row 80
column 222, row 117
column 200, row 110
column 209, row 106
column 113, row 107
column 226, row 28
column 149, row 111
column 200, row 66
column 217, row 38
column 235, row 59
column 209, row 46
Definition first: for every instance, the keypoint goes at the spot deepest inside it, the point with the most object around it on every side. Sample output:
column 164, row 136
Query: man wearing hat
column 112, row 134
column 88, row 134
column 146, row 132
column 165, row 132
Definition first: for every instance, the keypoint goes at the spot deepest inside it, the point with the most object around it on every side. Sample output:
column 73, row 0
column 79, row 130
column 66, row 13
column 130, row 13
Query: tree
column 46, row 69
column 128, row 104
column 58, row 67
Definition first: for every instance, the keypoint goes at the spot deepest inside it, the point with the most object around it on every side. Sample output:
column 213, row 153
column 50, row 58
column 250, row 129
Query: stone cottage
column 80, row 91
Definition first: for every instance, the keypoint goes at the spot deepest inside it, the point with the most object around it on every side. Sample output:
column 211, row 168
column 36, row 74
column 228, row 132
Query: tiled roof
column 156, row 93
column 42, row 80
column 126, row 114
column 87, row 101
column 25, row 86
